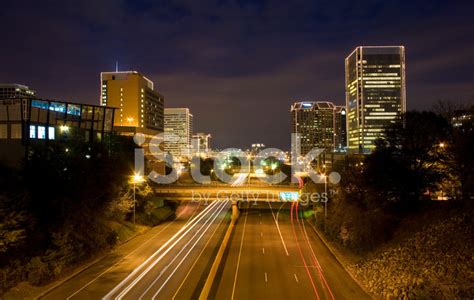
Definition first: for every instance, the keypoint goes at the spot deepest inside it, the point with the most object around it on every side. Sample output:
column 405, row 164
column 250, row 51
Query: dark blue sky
column 237, row 64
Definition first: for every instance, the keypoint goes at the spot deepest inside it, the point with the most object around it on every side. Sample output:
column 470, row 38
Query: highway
column 273, row 254
column 171, row 261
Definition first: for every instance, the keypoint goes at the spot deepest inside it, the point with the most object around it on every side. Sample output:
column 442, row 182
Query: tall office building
column 13, row 90
column 375, row 93
column 201, row 143
column 139, row 106
column 178, row 122
column 340, row 130
column 313, row 126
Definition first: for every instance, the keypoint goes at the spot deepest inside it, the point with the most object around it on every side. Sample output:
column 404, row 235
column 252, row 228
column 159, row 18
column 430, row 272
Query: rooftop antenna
column 116, row 66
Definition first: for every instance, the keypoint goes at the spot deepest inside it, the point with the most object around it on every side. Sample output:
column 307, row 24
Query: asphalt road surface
column 272, row 254
column 169, row 262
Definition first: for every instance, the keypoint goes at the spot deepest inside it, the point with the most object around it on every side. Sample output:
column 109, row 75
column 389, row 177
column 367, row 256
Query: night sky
column 238, row 65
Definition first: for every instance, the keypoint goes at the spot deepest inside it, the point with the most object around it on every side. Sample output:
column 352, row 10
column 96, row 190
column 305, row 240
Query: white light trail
column 186, row 228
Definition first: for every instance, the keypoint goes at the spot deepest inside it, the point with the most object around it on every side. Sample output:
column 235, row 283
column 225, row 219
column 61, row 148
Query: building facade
column 13, row 90
column 178, row 131
column 375, row 93
column 463, row 120
column 28, row 121
column 256, row 148
column 340, row 128
column 201, row 143
column 312, row 126
column 139, row 106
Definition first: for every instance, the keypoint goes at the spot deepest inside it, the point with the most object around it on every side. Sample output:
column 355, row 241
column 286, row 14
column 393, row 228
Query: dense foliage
column 421, row 157
column 54, row 210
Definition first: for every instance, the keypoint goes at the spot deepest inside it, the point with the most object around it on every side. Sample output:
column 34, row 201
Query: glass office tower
column 178, row 122
column 312, row 123
column 375, row 93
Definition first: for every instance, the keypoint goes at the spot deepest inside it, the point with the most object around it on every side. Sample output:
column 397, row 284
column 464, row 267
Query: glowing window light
column 51, row 133
column 41, row 132
column 32, row 131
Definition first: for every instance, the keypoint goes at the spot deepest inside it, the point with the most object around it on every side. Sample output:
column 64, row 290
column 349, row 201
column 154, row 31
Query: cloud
column 237, row 64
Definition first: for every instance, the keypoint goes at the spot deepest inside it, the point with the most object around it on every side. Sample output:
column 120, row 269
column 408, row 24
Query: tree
column 409, row 160
column 461, row 159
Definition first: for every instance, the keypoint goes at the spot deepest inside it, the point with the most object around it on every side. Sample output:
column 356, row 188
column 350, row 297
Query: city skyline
column 236, row 149
column 297, row 60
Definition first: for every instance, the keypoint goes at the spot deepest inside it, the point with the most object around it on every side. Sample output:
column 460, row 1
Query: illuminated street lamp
column 136, row 179
column 442, row 145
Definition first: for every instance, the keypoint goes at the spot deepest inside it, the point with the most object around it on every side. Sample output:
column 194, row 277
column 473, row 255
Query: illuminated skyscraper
column 375, row 93
column 178, row 122
column 138, row 105
column 313, row 125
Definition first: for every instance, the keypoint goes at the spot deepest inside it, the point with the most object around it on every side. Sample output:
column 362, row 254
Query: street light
column 64, row 128
column 136, row 179
column 326, row 193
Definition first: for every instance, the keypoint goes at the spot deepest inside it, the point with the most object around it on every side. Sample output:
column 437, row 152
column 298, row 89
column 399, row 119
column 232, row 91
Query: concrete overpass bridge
column 272, row 193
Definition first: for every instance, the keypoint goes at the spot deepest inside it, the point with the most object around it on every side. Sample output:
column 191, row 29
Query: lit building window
column 32, row 132
column 15, row 131
column 3, row 131
column 41, row 132
column 51, row 133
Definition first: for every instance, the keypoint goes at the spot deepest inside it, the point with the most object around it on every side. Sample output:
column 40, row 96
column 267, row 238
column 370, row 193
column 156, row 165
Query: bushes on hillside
column 419, row 154
column 53, row 211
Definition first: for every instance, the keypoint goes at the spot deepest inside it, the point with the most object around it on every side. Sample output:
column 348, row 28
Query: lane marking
column 190, row 250
column 184, row 229
column 263, row 250
column 215, row 212
column 278, row 227
column 266, row 277
column 261, row 233
column 296, row 277
column 197, row 259
column 299, row 247
column 136, row 249
column 240, row 254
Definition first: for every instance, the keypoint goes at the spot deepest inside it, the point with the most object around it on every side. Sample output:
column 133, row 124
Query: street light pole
column 326, row 192
column 134, row 202
column 136, row 178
